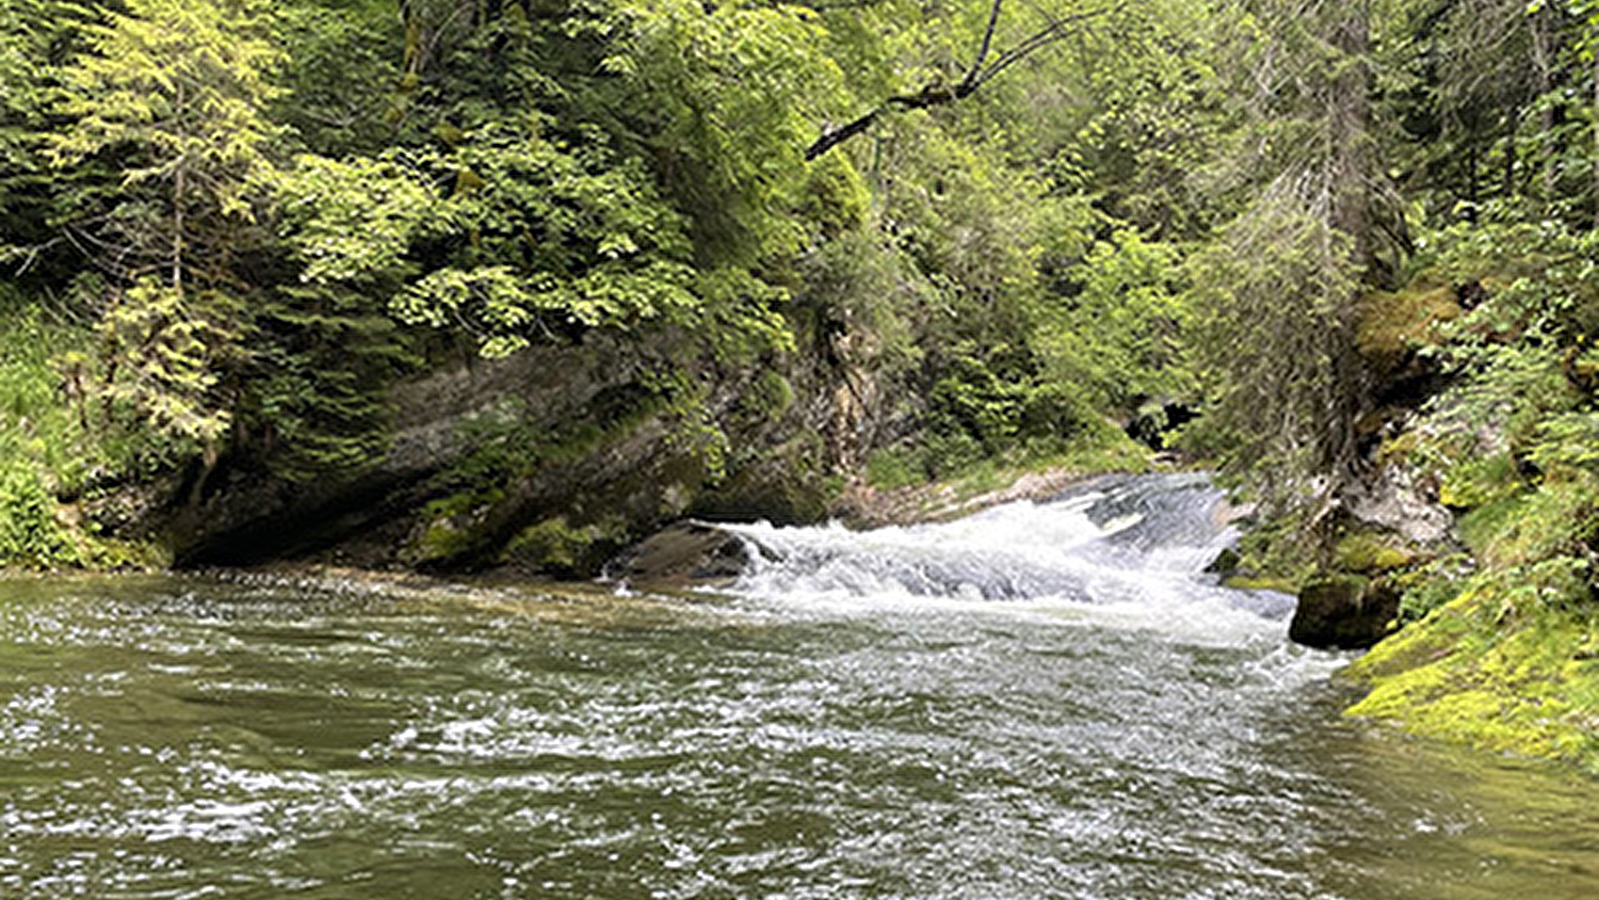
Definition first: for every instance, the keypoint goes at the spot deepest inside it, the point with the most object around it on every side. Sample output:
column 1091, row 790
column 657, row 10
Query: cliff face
column 550, row 461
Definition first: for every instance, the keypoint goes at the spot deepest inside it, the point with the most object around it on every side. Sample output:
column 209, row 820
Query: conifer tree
column 171, row 95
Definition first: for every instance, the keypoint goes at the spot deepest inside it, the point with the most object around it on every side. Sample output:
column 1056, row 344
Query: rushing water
column 1043, row 701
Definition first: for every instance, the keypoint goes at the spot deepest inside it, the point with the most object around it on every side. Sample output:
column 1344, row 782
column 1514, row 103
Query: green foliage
column 184, row 85
column 162, row 351
column 340, row 75
column 35, row 37
column 53, row 442
column 30, row 536
column 1116, row 337
column 728, row 95
column 318, row 384
column 888, row 470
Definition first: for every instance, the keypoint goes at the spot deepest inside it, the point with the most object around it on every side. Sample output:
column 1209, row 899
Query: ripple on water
column 201, row 738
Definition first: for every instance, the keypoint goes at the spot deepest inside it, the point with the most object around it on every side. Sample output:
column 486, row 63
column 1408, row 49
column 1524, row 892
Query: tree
column 1276, row 295
column 178, row 88
column 171, row 95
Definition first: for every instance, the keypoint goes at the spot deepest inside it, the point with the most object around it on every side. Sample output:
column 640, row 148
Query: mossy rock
column 555, row 547
column 1368, row 554
column 1466, row 673
column 1392, row 324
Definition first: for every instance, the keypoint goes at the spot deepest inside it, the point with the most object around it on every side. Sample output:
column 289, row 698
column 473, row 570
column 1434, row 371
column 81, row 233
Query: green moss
column 453, row 528
column 1497, row 668
column 1479, row 481
column 1262, row 583
column 1557, row 518
column 1390, row 324
column 552, row 543
column 771, row 395
column 1371, row 553
column 788, row 483
column 1279, row 550
column 556, row 546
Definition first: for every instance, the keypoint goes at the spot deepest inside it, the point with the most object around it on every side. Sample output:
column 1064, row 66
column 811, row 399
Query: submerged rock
column 1344, row 612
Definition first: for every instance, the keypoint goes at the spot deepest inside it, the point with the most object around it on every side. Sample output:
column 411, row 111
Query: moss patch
column 1495, row 671
column 1391, row 324
column 1368, row 553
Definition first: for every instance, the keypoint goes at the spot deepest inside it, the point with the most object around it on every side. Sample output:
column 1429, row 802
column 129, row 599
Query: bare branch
column 980, row 72
column 969, row 83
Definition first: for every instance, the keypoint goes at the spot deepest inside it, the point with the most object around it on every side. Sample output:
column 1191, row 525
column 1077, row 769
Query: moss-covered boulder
column 1345, row 612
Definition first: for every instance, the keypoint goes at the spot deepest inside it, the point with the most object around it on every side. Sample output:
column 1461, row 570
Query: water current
column 1042, row 701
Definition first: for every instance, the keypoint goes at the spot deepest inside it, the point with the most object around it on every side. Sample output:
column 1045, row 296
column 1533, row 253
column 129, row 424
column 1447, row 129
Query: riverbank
column 1491, row 672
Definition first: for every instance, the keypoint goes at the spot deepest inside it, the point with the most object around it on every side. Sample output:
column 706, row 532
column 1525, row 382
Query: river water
column 1042, row 701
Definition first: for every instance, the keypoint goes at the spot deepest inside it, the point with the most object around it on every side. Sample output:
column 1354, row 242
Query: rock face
column 1344, row 612
column 548, row 462
column 1391, row 500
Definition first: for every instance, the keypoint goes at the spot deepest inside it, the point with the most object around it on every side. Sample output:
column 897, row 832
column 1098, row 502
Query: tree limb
column 980, row 72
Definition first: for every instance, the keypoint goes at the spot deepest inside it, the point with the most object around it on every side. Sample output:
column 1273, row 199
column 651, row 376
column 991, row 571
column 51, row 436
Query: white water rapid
column 1128, row 551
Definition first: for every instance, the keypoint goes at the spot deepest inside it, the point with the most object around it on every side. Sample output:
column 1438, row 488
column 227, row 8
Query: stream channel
column 1040, row 701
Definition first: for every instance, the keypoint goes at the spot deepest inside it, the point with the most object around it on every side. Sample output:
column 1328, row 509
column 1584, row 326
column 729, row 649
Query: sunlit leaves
column 186, row 81
column 354, row 219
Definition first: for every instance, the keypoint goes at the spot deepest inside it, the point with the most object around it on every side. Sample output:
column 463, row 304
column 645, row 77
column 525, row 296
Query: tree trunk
column 1543, row 59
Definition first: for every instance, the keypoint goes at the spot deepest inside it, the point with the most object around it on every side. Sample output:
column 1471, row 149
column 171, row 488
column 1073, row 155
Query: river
column 1041, row 701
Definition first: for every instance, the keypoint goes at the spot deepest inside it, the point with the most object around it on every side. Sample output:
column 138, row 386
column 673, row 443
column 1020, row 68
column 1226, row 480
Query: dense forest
column 458, row 284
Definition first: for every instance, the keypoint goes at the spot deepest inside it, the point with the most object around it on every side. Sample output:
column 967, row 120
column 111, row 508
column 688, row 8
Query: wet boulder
column 1226, row 563
column 1344, row 612
column 688, row 554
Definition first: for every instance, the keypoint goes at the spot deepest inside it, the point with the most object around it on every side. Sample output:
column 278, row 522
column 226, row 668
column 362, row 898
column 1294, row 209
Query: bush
column 30, row 536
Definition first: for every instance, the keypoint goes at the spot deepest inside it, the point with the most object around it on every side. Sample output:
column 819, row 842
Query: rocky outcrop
column 548, row 462
column 1393, row 499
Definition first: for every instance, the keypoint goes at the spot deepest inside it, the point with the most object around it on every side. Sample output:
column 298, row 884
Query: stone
column 1225, row 563
column 1392, row 500
column 1344, row 612
column 687, row 554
